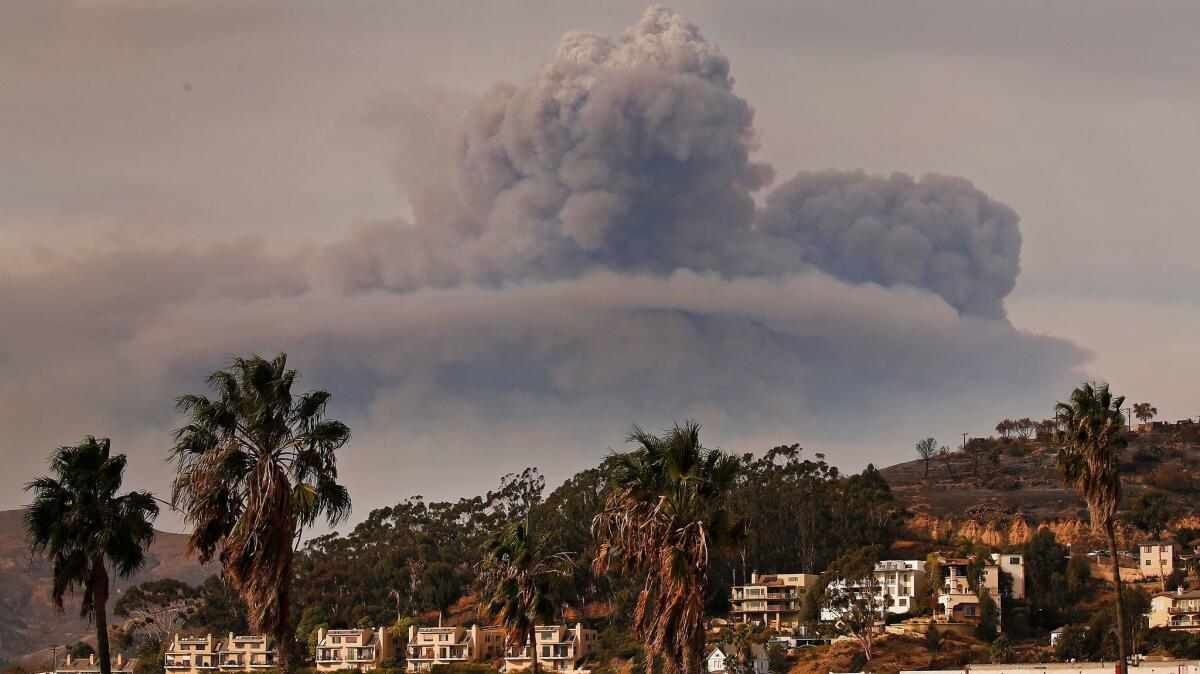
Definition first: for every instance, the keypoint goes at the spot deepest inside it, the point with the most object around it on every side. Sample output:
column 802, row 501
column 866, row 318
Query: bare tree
column 927, row 449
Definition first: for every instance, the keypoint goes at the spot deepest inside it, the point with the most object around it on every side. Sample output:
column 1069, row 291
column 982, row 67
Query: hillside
column 1022, row 489
column 27, row 621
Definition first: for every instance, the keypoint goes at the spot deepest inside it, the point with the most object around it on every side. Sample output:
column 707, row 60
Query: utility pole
column 964, row 444
column 54, row 658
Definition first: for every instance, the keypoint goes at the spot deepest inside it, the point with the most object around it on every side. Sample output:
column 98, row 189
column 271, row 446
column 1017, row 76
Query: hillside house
column 771, row 600
column 429, row 646
column 959, row 602
column 559, row 648
column 361, row 649
column 197, row 655
column 90, row 665
column 721, row 659
column 1177, row 610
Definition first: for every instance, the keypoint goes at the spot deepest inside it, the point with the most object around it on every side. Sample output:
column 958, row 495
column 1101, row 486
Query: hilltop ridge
column 27, row 618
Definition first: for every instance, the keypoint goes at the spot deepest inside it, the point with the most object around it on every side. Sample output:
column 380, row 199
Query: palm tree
column 669, row 510
column 523, row 581
column 256, row 465
column 1092, row 438
column 85, row 529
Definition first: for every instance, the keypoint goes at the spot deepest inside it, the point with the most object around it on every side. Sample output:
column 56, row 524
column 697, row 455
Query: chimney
column 69, row 659
column 210, row 644
column 120, row 661
column 229, row 644
column 412, row 634
column 320, row 635
column 92, row 659
column 753, row 577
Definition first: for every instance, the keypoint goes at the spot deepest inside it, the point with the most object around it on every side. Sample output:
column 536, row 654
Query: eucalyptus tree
column 1091, row 435
column 256, row 466
column 87, row 531
column 667, row 514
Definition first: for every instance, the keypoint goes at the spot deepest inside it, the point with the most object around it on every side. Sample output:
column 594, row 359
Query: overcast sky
column 488, row 278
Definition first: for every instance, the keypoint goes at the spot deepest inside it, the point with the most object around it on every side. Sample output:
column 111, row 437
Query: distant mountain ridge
column 27, row 619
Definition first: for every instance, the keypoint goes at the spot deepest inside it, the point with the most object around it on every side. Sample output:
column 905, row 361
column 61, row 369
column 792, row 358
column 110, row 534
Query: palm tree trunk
column 285, row 638
column 533, row 654
column 100, row 604
column 1122, row 634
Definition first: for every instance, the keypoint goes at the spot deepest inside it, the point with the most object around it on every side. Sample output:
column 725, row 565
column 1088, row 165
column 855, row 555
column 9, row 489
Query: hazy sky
column 489, row 277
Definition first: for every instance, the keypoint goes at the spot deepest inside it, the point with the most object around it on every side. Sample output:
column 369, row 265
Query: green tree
column 777, row 658
column 1092, row 439
column 1144, row 412
column 151, row 655
column 1001, row 651
column 933, row 638
column 85, row 529
column 80, row 650
column 668, row 512
column 1072, row 644
column 1079, row 577
column 855, row 598
column 989, row 618
column 256, row 466
column 1045, row 575
column 1151, row 511
column 155, row 606
column 523, row 580
column 927, row 449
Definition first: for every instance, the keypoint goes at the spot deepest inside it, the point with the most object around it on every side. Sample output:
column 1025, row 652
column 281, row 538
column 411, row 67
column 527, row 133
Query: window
column 1015, row 561
column 1147, row 562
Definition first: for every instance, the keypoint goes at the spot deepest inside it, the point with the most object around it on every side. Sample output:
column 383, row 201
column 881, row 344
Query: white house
column 719, row 661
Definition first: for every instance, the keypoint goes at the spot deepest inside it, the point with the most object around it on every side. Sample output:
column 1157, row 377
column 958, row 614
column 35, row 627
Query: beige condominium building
column 90, row 665
column 194, row 655
column 772, row 600
column 361, row 649
column 1178, row 610
column 429, row 646
column 959, row 602
column 1156, row 559
column 559, row 648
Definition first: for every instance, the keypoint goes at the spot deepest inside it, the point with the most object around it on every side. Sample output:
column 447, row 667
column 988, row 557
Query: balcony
column 1183, row 609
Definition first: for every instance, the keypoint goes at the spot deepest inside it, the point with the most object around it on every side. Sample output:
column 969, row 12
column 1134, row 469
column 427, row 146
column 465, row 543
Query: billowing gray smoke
column 937, row 233
column 585, row 253
column 635, row 156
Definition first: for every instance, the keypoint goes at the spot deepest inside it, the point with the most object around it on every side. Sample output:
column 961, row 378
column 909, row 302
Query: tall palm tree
column 523, row 581
column 85, row 529
column 668, row 512
column 256, row 465
column 1091, row 431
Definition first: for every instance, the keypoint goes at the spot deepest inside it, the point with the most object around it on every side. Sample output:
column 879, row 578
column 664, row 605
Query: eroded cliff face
column 1069, row 531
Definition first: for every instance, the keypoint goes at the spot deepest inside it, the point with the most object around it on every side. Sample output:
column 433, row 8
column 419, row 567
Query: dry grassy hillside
column 27, row 621
column 1004, row 499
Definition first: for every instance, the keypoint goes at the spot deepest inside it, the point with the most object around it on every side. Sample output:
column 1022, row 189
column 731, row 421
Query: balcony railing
column 1183, row 609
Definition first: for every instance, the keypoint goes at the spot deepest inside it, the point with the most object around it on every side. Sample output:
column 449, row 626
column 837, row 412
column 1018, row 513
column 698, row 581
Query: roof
column 1190, row 594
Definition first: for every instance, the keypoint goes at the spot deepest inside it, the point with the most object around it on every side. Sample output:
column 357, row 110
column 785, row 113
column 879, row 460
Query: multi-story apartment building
column 959, row 602
column 559, row 648
column 901, row 581
column 197, row 655
column 1156, row 559
column 1178, row 610
column 772, row 600
column 360, row 649
column 429, row 646
column 90, row 665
